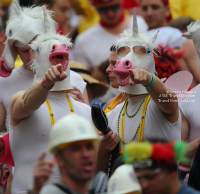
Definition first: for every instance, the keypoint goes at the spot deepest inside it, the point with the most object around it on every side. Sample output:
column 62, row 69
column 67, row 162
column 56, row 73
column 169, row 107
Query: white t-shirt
column 190, row 108
column 156, row 125
column 21, row 80
column 168, row 36
column 31, row 136
column 92, row 47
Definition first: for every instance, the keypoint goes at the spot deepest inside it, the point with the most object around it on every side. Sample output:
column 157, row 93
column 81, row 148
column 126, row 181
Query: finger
column 62, row 76
column 136, row 77
column 42, row 156
column 51, row 73
column 107, row 136
column 100, row 133
column 55, row 71
column 48, row 77
column 59, row 68
column 76, row 89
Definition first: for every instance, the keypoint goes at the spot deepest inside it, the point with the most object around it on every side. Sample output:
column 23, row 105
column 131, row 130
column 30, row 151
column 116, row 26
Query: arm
column 191, row 60
column 3, row 116
column 165, row 99
column 185, row 128
column 22, row 104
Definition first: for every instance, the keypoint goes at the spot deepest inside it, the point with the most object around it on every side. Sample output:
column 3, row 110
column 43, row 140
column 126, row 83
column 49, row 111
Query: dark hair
column 181, row 23
column 42, row 2
column 113, row 48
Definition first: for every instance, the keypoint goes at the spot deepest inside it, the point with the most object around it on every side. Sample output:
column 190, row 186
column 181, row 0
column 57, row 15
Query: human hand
column 77, row 95
column 139, row 76
column 42, row 171
column 54, row 74
column 109, row 142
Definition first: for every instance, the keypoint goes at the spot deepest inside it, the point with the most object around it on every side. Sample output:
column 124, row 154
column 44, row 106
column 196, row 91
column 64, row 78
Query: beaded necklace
column 140, row 128
column 52, row 118
column 113, row 103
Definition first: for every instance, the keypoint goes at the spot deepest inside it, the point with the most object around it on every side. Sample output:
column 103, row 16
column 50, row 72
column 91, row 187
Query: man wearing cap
column 72, row 142
column 102, row 36
column 156, row 166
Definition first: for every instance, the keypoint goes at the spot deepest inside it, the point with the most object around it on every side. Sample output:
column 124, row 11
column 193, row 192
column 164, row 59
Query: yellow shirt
column 90, row 18
column 189, row 8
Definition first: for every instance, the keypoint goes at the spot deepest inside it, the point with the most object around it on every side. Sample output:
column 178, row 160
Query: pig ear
column 154, row 36
column 17, row 8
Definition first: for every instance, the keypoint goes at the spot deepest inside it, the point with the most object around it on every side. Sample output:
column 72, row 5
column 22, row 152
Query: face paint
column 52, row 49
column 134, row 51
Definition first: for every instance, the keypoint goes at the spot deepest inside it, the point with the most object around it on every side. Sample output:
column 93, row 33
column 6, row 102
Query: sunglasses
column 139, row 50
column 103, row 10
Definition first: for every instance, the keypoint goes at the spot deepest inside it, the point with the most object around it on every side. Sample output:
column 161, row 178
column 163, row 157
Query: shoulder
column 51, row 189
column 168, row 36
column 187, row 189
column 85, row 36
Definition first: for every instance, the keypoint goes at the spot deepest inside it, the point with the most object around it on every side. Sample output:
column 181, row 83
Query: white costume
column 30, row 138
column 168, row 36
column 92, row 47
column 31, row 134
column 20, row 80
column 190, row 108
column 156, row 125
column 136, row 124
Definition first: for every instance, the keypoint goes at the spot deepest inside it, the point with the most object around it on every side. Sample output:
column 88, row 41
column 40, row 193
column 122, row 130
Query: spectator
column 155, row 13
column 181, row 23
column 61, row 15
column 75, row 155
column 124, row 181
column 156, row 168
column 102, row 36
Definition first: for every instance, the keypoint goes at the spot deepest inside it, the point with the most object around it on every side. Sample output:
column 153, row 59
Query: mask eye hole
column 38, row 49
column 148, row 50
column 10, row 32
column 53, row 47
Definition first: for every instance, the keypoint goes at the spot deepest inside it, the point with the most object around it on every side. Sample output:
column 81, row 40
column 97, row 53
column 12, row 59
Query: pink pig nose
column 122, row 66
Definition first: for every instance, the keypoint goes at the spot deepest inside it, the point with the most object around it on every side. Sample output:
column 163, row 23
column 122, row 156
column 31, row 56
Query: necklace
column 52, row 118
column 113, row 103
column 140, row 127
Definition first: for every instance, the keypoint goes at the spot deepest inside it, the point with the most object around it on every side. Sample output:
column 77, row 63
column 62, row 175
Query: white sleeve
column 77, row 81
column 80, row 52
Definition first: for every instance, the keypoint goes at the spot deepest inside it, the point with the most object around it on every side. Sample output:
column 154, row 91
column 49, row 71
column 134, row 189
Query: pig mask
column 139, row 56
column 52, row 49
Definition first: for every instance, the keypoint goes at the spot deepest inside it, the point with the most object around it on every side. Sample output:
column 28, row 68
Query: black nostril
column 127, row 63
column 53, row 47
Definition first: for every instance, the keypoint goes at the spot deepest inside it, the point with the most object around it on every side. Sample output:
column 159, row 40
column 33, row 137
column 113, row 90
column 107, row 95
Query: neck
column 121, row 19
column 163, row 25
column 27, row 67
column 132, row 95
column 80, row 187
column 176, row 185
